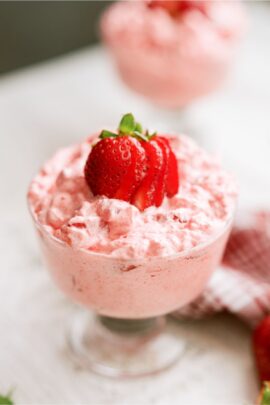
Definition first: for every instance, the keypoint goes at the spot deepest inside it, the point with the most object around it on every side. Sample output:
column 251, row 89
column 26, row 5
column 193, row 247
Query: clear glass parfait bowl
column 123, row 332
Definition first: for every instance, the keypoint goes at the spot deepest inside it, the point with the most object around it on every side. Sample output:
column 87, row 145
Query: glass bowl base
column 123, row 347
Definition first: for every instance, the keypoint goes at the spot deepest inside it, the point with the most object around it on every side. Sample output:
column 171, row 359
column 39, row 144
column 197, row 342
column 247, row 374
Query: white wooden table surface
column 56, row 103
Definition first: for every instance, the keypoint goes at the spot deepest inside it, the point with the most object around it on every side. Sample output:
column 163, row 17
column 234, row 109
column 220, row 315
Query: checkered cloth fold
column 242, row 284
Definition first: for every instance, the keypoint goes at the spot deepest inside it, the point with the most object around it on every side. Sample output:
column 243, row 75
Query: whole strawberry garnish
column 132, row 165
column 178, row 7
column 261, row 343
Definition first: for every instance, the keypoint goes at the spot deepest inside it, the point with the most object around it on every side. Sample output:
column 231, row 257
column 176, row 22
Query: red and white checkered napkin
column 242, row 285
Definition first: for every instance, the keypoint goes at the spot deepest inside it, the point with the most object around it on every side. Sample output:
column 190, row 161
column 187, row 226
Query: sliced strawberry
column 132, row 165
column 115, row 167
column 135, row 173
column 162, row 180
column 172, row 178
column 145, row 196
column 172, row 184
column 261, row 343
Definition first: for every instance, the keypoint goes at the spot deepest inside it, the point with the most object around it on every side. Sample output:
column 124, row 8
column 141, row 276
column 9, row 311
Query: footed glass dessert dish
column 131, row 225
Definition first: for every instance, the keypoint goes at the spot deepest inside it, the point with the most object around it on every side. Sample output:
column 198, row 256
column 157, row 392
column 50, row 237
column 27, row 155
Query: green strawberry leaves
column 266, row 395
column 6, row 400
column 138, row 127
column 140, row 136
column 107, row 134
column 128, row 126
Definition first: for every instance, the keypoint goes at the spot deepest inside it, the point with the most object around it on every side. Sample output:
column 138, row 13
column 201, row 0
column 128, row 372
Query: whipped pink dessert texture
column 110, row 257
column 173, row 60
column 63, row 203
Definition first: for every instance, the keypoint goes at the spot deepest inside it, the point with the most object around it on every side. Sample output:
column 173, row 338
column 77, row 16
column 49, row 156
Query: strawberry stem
column 138, row 128
column 141, row 136
column 107, row 134
column 129, row 126
column 265, row 395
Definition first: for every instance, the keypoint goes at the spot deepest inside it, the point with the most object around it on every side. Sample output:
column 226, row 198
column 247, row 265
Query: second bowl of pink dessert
column 173, row 57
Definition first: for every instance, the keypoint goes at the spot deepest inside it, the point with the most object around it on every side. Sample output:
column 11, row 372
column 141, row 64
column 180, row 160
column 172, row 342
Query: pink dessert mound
column 172, row 60
column 120, row 261
column 62, row 202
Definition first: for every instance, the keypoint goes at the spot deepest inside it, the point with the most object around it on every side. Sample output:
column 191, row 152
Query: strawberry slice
column 134, row 174
column 261, row 344
column 172, row 178
column 162, row 180
column 115, row 167
column 146, row 194
column 172, row 184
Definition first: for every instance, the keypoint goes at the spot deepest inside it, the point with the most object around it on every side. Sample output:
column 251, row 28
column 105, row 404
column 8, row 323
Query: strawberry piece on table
column 261, row 343
column 264, row 398
column 6, row 400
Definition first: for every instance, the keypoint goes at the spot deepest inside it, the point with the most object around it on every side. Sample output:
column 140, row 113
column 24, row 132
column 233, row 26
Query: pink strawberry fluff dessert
column 173, row 52
column 118, row 260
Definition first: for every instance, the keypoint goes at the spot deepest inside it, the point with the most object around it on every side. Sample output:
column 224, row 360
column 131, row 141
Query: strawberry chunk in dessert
column 132, row 165
column 178, row 7
column 261, row 342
